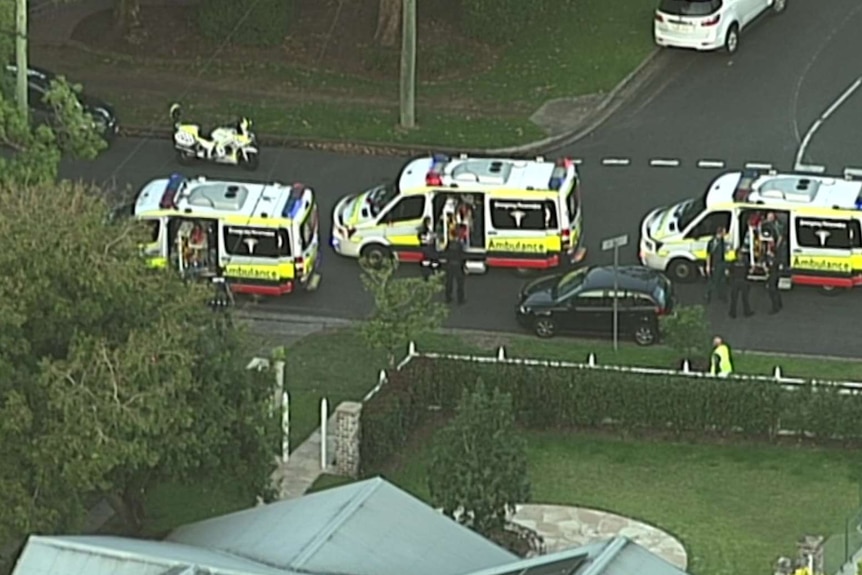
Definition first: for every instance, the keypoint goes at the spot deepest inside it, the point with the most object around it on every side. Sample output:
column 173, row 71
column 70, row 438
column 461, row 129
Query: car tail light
column 711, row 21
column 300, row 265
column 567, row 237
column 658, row 17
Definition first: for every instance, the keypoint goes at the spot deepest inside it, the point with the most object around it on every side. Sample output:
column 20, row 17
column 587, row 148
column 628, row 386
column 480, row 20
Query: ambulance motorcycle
column 231, row 145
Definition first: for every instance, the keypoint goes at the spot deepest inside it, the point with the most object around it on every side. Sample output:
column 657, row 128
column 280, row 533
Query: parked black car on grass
column 39, row 82
column 582, row 302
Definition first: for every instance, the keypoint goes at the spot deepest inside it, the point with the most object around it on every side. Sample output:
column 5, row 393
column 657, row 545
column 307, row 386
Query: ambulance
column 521, row 214
column 811, row 223
column 260, row 239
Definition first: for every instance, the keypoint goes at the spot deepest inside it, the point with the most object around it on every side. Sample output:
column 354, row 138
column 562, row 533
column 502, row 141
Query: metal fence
column 841, row 550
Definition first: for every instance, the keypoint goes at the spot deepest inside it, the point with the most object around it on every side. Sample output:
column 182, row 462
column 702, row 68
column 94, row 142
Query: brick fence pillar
column 347, row 438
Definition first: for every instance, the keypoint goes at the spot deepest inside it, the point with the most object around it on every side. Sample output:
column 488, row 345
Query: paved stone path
column 561, row 527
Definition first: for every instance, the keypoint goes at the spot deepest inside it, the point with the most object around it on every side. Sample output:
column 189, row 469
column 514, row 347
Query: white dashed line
column 616, row 161
column 811, row 168
column 710, row 164
column 851, row 173
column 664, row 163
column 577, row 161
column 757, row 166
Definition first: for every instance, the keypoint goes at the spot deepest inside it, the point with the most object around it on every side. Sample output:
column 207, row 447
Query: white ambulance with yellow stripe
column 818, row 221
column 523, row 214
column 261, row 238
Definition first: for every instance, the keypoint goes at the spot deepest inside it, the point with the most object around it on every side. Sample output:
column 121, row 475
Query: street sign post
column 615, row 244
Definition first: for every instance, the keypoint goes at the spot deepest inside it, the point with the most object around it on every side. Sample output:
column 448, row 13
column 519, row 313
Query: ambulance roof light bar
column 557, row 179
column 434, row 177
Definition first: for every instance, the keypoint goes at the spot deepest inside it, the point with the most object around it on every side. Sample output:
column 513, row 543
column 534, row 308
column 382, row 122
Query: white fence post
column 324, row 416
column 591, row 360
column 285, row 427
column 411, row 348
column 777, row 373
column 279, row 382
column 501, row 354
column 686, row 367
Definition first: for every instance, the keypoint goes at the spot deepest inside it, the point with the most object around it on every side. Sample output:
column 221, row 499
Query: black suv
column 582, row 302
column 39, row 81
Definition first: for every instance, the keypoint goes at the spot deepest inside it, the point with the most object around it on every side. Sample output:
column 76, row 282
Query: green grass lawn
column 338, row 365
column 735, row 508
column 574, row 48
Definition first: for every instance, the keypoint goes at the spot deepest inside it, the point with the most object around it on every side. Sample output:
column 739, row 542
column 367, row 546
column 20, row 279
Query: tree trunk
column 388, row 22
column 129, row 507
column 127, row 17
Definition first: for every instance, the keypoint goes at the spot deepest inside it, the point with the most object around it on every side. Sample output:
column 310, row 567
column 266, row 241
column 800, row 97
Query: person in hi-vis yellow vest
column 720, row 363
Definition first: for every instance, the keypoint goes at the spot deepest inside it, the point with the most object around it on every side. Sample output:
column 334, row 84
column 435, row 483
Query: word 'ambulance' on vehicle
column 811, row 223
column 523, row 214
column 261, row 239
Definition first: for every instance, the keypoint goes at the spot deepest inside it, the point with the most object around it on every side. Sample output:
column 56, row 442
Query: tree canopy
column 112, row 376
column 404, row 307
column 31, row 154
column 478, row 470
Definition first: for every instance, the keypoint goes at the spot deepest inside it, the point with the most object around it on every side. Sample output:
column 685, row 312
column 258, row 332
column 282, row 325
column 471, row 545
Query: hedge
column 245, row 22
column 556, row 398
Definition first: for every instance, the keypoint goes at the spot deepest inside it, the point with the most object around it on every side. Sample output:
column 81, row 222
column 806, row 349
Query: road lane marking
column 616, row 161
column 758, row 166
column 710, row 164
column 811, row 168
column 800, row 153
column 664, row 163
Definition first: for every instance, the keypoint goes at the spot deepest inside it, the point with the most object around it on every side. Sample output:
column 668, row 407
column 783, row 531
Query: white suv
column 707, row 24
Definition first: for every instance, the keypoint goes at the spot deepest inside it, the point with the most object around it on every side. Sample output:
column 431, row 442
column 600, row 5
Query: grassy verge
column 735, row 508
column 574, row 48
column 338, row 365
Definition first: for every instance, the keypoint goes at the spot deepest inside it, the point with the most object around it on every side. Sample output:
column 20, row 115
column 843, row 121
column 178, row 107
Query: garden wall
column 558, row 395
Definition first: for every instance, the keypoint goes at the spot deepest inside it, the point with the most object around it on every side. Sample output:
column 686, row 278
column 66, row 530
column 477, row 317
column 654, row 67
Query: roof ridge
column 347, row 511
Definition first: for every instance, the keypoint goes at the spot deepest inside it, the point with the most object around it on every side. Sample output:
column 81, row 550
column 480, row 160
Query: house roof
column 617, row 556
column 366, row 528
column 97, row 555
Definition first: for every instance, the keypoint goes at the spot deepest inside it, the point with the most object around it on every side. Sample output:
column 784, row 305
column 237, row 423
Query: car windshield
column 687, row 211
column 570, row 282
column 689, row 7
column 379, row 197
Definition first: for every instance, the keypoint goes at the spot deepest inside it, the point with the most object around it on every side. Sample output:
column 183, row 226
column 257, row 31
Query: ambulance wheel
column 682, row 271
column 375, row 255
column 831, row 291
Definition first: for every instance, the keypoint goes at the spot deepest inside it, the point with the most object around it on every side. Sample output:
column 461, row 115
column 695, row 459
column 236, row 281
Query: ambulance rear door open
column 825, row 251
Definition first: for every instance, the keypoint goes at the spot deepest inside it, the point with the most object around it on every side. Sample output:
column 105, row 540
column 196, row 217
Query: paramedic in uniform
column 428, row 241
column 716, row 266
column 773, row 274
column 739, row 284
column 454, row 256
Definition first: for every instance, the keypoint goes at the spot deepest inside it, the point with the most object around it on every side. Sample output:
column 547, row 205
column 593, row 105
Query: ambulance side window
column 709, row 224
column 407, row 209
column 524, row 215
column 828, row 233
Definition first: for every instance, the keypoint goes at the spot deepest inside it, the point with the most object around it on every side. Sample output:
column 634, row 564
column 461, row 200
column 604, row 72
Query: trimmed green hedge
column 552, row 398
column 246, row 22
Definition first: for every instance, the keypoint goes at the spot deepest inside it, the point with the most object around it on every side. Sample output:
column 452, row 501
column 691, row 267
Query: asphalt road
column 754, row 107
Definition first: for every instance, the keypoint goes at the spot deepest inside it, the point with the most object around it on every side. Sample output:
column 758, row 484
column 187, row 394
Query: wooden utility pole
column 21, row 55
column 408, row 64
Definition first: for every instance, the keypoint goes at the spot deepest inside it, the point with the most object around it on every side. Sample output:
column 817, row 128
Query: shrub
column 249, row 22
column 545, row 398
column 686, row 331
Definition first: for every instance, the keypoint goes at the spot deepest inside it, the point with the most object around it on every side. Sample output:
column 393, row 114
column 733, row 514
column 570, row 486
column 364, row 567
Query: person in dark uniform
column 428, row 241
column 739, row 285
column 716, row 267
column 454, row 256
column 773, row 271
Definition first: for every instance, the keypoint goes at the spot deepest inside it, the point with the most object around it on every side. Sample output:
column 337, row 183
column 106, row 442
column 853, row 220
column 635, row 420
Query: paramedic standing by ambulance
column 716, row 267
column 720, row 363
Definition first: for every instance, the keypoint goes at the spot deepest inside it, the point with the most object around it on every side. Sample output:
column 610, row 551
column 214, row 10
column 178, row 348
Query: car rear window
column 689, row 7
